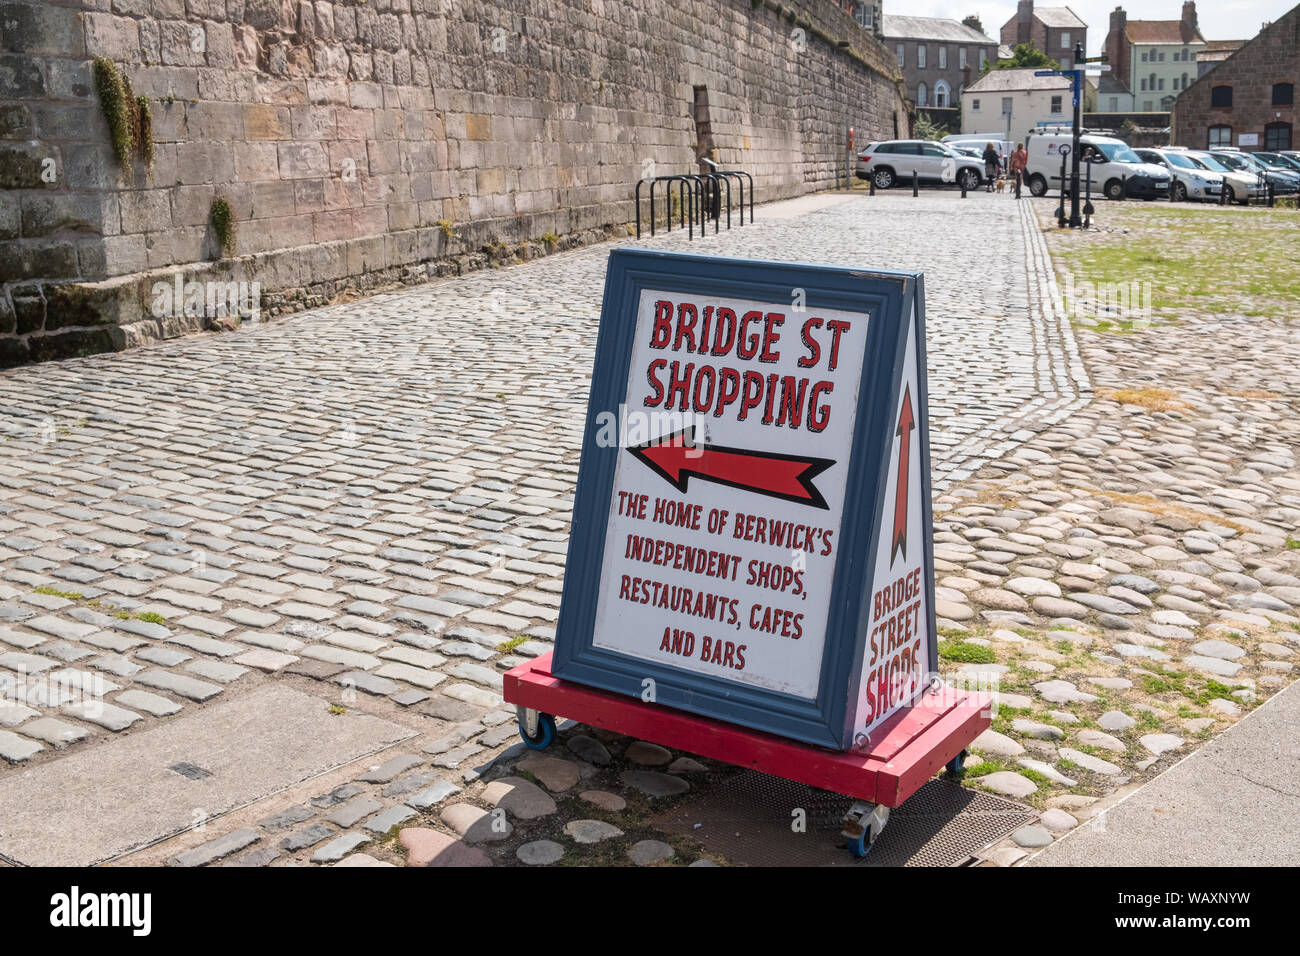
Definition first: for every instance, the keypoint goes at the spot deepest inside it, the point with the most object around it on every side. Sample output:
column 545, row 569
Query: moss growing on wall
column 130, row 122
column 113, row 101
column 222, row 218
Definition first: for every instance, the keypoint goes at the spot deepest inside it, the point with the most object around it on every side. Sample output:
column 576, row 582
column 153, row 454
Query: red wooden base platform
column 908, row 749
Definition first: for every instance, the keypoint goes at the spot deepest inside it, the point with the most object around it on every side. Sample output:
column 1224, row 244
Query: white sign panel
column 896, row 656
column 723, row 525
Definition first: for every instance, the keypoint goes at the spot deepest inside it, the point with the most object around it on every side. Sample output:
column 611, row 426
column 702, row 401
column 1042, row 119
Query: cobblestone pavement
column 1133, row 573
column 371, row 502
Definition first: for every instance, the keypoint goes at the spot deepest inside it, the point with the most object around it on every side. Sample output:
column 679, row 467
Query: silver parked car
column 1191, row 181
column 1238, row 187
column 891, row 162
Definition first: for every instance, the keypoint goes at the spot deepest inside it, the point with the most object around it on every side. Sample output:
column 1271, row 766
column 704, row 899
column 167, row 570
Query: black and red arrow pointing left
column 677, row 458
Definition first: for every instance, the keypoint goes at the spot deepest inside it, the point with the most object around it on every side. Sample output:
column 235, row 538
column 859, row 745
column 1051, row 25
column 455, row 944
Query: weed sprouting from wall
column 222, row 217
column 144, row 144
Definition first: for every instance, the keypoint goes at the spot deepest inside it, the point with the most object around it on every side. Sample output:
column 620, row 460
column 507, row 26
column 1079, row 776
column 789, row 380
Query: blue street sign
column 751, row 534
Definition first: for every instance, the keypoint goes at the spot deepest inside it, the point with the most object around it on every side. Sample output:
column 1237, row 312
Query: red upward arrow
column 904, row 433
column 677, row 458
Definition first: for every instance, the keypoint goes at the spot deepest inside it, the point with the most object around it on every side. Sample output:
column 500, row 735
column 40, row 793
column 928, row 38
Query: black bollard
column 915, row 191
column 962, row 181
column 1088, row 208
column 872, row 181
column 1123, row 189
column 1271, row 199
column 1060, row 210
column 1223, row 193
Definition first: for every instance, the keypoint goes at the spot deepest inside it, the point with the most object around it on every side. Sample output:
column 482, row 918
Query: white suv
column 893, row 161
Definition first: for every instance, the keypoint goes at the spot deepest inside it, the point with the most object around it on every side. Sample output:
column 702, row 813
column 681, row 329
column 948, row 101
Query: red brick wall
column 1272, row 57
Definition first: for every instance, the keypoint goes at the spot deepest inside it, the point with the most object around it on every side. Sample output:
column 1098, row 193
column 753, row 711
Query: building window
column 1221, row 97
column 975, row 106
column 1162, row 82
column 1220, row 136
column 1184, row 86
column 943, row 58
column 1144, row 86
column 920, row 57
column 961, row 57
column 1277, row 136
column 941, row 95
column 1065, row 42
column 983, row 57
column 865, row 14
column 1006, row 105
column 1187, row 54
column 1144, row 57
column 1283, row 94
column 1113, row 104
column 920, row 95
column 1056, row 105
column 1065, row 63
column 1162, row 56
column 902, row 56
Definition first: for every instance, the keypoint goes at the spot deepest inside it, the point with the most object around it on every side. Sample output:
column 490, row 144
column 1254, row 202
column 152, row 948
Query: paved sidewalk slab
column 96, row 805
column 1234, row 802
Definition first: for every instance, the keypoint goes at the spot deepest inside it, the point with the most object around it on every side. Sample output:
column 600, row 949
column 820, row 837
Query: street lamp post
column 1076, row 77
column 1075, row 219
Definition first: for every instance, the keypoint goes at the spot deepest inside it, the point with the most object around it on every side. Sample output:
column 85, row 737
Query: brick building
column 938, row 58
column 1052, row 30
column 1248, row 100
column 1156, row 59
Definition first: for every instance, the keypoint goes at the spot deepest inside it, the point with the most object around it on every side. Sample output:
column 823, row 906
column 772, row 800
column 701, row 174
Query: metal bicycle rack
column 700, row 198
column 685, row 203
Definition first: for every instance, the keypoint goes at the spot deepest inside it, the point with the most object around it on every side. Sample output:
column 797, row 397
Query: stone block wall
column 366, row 142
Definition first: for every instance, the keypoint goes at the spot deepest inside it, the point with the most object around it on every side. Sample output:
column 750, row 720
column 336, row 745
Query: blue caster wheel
column 537, row 730
column 863, row 825
column 954, row 766
column 862, row 845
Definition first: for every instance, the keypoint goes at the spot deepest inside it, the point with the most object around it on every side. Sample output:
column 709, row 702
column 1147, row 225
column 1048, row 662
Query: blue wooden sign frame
column 890, row 299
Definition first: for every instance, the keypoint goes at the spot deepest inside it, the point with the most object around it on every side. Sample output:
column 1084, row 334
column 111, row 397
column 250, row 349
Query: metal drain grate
column 749, row 819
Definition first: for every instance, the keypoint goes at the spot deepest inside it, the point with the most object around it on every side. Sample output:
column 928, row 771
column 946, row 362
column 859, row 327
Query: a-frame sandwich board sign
column 751, row 530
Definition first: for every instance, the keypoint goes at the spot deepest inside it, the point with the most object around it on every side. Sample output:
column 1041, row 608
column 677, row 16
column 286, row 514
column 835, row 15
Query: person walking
column 991, row 164
column 1019, row 160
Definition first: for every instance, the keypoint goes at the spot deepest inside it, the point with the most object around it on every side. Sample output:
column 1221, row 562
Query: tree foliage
column 1025, row 56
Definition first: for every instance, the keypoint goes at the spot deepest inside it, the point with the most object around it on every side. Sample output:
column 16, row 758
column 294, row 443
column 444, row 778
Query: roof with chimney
column 1016, row 81
column 932, row 28
column 1055, row 18
column 1155, row 32
column 1059, row 18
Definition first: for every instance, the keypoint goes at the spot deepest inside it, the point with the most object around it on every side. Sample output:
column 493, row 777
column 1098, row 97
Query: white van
column 1117, row 171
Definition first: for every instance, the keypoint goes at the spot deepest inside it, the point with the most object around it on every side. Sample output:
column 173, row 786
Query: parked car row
column 1117, row 170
